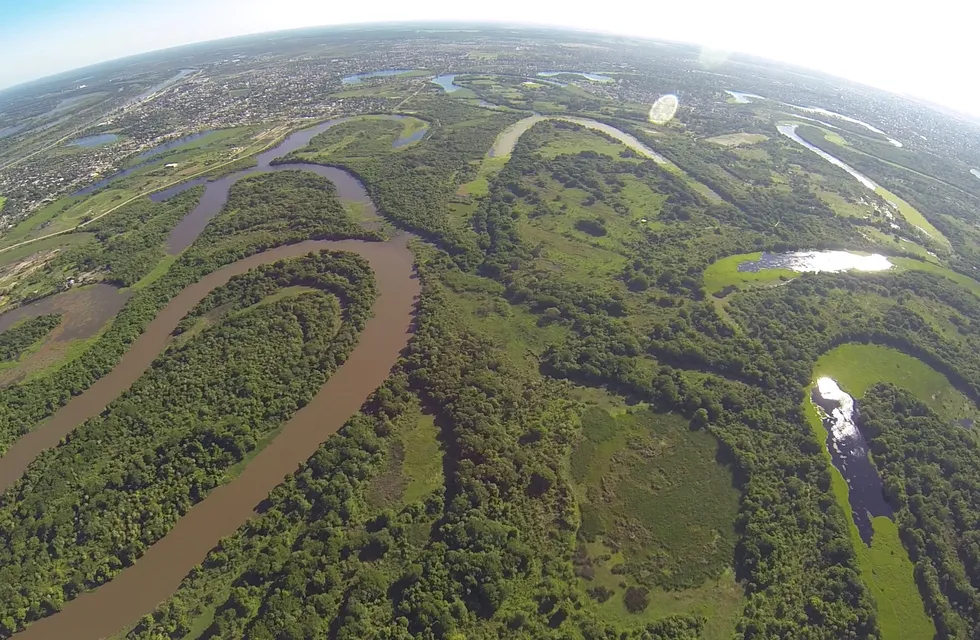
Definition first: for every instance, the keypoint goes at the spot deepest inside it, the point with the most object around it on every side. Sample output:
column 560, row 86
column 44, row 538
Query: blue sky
column 929, row 53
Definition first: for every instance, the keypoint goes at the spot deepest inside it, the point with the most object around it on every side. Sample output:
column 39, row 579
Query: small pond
column 817, row 261
column 94, row 141
column 357, row 77
column 594, row 77
column 849, row 454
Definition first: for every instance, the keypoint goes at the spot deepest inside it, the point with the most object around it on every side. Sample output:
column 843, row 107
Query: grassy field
column 67, row 240
column 958, row 278
column 912, row 215
column 422, row 461
column 3, row 201
column 885, row 565
column 857, row 367
column 724, row 273
column 737, row 139
column 657, row 513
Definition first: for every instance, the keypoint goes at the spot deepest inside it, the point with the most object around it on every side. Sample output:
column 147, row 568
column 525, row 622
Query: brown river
column 139, row 588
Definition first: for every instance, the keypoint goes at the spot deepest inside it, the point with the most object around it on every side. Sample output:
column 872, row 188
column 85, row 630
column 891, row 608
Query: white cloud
column 922, row 52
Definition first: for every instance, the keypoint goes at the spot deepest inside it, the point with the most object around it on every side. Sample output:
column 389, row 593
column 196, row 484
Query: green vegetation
column 885, row 566
column 657, row 513
column 190, row 410
column 18, row 339
column 737, row 139
column 858, row 367
column 724, row 274
column 920, row 457
column 580, row 442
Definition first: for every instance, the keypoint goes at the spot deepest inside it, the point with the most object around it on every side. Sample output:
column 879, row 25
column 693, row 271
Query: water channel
column 849, row 454
column 789, row 130
column 148, row 157
column 744, row 98
column 157, row 574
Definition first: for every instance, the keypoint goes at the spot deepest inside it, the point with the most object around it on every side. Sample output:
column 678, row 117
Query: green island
column 325, row 343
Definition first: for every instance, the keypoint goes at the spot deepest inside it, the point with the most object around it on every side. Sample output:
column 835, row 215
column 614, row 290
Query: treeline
column 223, row 241
column 931, row 473
column 17, row 339
column 130, row 241
column 413, row 186
column 90, row 507
column 487, row 554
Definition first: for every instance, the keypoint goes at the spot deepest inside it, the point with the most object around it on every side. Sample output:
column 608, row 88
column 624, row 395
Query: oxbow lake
column 849, row 454
column 789, row 130
column 818, row 261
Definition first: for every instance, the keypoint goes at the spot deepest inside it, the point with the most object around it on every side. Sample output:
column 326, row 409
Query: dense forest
column 224, row 241
column 572, row 402
column 17, row 339
column 163, row 445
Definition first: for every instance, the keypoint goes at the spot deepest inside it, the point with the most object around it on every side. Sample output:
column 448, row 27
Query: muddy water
column 84, row 311
column 155, row 576
column 216, row 193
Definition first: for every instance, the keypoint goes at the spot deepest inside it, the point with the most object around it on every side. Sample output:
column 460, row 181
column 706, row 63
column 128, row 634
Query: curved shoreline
column 154, row 576
column 139, row 588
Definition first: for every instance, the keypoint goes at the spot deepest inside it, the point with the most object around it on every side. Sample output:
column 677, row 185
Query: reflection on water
column 594, row 77
column 357, row 77
column 817, row 261
column 849, row 453
column 789, row 130
column 447, row 82
column 94, row 141
column 834, row 114
column 742, row 97
column 409, row 139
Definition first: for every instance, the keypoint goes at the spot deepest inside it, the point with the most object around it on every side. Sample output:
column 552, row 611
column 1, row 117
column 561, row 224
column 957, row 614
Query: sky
column 901, row 47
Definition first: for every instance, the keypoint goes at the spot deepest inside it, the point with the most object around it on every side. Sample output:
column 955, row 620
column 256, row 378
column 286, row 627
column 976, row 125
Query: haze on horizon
column 926, row 54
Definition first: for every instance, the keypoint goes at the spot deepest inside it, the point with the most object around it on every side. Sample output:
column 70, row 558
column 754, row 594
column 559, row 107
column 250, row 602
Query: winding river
column 156, row 575
column 507, row 140
column 139, row 588
column 789, row 130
